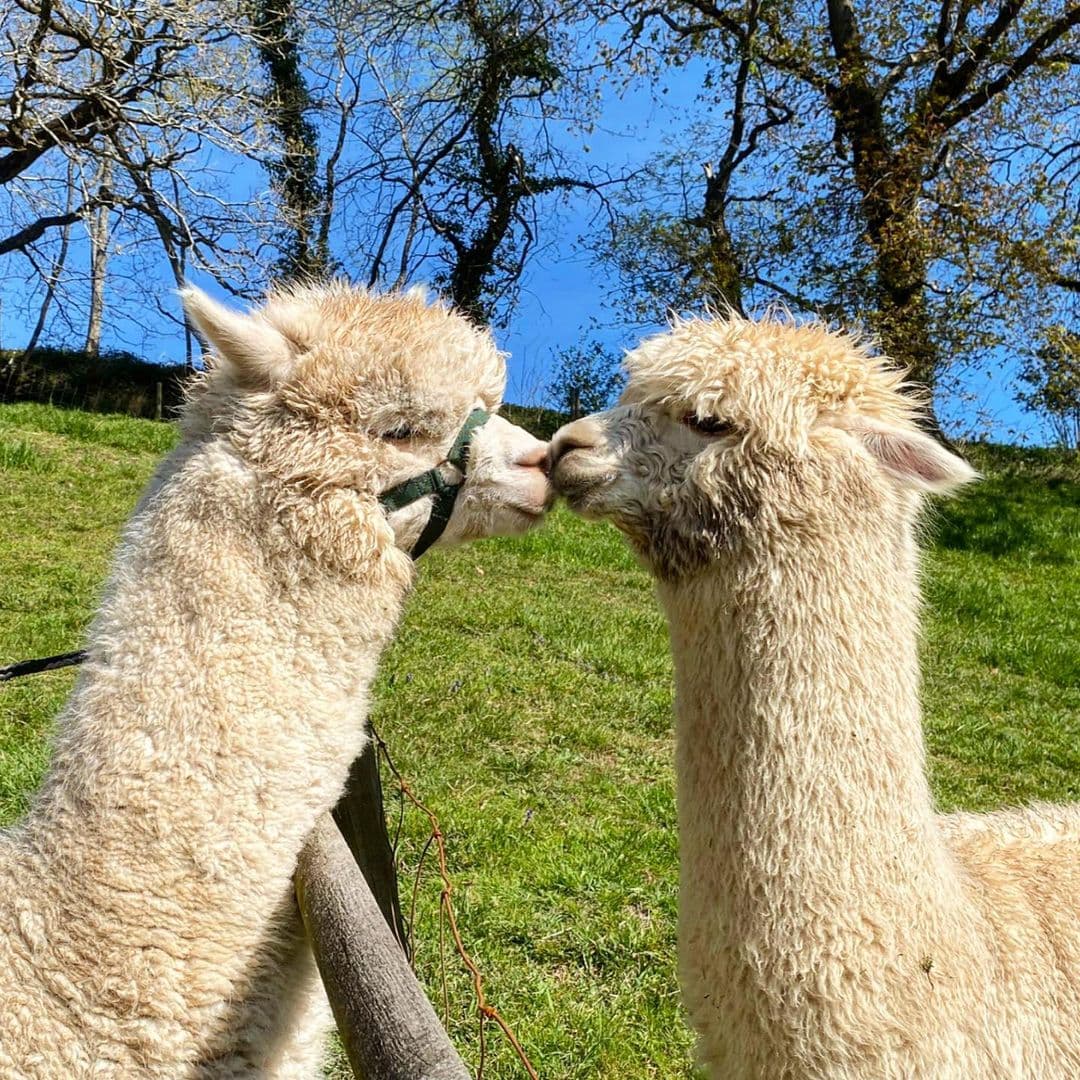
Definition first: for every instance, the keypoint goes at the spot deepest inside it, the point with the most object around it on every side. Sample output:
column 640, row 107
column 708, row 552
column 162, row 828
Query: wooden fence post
column 387, row 1024
column 157, row 403
column 360, row 817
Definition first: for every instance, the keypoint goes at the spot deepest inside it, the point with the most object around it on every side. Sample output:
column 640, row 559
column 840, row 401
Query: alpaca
column 831, row 924
column 148, row 926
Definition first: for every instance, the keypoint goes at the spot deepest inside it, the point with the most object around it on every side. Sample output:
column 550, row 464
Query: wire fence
column 486, row 1012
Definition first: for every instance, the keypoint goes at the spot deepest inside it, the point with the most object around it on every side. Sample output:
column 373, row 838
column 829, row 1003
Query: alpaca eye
column 708, row 425
column 399, row 433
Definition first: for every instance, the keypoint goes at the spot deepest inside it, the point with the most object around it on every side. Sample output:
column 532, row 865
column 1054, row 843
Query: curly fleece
column 148, row 925
column 832, row 925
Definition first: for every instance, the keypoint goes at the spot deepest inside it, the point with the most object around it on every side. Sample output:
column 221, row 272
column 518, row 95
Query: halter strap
column 433, row 483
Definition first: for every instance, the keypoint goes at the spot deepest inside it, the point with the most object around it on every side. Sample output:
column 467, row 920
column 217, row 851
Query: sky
column 564, row 297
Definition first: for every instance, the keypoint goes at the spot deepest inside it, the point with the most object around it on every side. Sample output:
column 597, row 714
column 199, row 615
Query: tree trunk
column 725, row 286
column 890, row 192
column 295, row 175
column 99, row 259
column 889, row 184
column 54, row 276
column 903, row 319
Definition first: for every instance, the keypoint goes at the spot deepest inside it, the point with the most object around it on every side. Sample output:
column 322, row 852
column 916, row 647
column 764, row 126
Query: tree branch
column 949, row 85
column 35, row 230
column 1017, row 66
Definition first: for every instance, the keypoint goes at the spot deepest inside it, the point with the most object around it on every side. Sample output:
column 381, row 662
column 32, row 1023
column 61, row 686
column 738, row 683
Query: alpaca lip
column 534, row 510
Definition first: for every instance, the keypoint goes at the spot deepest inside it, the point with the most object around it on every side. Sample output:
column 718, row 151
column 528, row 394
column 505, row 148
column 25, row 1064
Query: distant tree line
column 112, row 381
column 914, row 168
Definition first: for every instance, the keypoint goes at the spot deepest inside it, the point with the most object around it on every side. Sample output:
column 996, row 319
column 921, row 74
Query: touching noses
column 580, row 435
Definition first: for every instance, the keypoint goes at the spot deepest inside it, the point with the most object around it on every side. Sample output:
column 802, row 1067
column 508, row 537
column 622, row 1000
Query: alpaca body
column 148, row 926
column 825, row 938
column 832, row 926
column 198, row 772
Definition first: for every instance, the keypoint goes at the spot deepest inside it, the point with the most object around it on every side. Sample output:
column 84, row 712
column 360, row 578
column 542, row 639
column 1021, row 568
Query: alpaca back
column 1022, row 866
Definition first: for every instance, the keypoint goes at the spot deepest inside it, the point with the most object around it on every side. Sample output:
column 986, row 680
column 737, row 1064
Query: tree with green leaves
column 911, row 166
column 1052, row 384
column 586, row 379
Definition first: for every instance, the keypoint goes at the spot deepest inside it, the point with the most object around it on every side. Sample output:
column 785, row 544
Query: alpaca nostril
column 580, row 435
column 536, row 458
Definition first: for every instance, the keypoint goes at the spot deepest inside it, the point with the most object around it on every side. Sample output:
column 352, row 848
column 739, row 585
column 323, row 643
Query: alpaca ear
column 257, row 353
column 910, row 456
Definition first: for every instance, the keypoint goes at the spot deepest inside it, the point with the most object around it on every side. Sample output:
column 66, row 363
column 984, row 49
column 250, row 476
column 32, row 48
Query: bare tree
column 444, row 162
column 134, row 108
column 52, row 280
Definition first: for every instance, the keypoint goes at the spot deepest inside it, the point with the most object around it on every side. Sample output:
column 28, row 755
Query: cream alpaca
column 831, row 925
column 148, row 926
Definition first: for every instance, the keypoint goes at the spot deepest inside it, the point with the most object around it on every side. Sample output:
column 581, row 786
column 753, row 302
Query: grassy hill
column 528, row 701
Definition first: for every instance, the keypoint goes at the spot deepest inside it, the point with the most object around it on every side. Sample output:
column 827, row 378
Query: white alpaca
column 831, row 925
column 147, row 921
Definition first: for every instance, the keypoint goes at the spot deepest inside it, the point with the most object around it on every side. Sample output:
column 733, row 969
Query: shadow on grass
column 1011, row 515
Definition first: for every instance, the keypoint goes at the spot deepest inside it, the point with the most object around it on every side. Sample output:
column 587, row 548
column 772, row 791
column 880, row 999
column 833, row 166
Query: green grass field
column 528, row 702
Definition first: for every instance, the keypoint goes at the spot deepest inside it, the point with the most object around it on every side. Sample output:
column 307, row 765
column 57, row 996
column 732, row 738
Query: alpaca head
column 736, row 435
column 332, row 389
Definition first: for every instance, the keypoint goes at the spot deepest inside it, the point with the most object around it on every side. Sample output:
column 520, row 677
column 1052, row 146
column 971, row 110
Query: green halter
column 432, row 483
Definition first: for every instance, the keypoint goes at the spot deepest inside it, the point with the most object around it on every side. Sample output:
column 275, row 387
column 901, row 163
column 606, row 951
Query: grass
column 528, row 701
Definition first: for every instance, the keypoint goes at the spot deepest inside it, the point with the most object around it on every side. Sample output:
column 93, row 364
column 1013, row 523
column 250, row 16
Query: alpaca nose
column 579, row 435
column 535, row 458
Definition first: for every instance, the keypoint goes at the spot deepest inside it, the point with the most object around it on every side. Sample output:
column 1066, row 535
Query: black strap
column 441, row 510
column 433, row 483
column 46, row 663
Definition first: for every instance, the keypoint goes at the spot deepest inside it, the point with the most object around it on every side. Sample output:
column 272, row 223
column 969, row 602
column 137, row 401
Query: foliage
column 588, row 372
column 404, row 141
column 458, row 151
column 540, row 421
column 1053, row 378
column 914, row 166
column 304, row 246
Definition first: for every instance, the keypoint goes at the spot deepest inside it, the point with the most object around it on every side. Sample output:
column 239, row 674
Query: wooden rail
column 346, row 886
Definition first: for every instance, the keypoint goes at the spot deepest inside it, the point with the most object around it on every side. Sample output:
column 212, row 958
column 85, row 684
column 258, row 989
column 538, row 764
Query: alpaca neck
column 800, row 761
column 223, row 698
